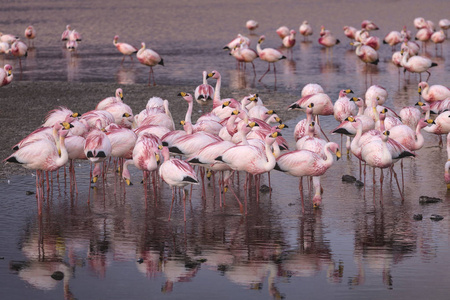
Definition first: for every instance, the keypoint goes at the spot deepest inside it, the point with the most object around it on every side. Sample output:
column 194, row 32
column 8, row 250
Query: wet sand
column 24, row 106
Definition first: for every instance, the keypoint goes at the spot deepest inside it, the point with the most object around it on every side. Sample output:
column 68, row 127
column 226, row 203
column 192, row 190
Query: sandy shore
column 24, row 106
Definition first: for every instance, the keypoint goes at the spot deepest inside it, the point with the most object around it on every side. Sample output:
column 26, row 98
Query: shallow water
column 362, row 244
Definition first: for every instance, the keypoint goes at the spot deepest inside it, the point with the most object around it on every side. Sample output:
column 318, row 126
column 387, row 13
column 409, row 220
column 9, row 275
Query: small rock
column 348, row 178
column 359, row 183
column 428, row 200
column 265, row 189
column 1, row 257
column 57, row 275
column 436, row 217
column 291, row 204
column 418, row 217
column 29, row 193
column 140, row 260
column 202, row 260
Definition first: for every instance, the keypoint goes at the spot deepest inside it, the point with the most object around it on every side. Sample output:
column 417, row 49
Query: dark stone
column 428, row 200
column 348, row 178
column 265, row 189
column 57, row 275
column 418, row 217
column 202, row 260
column 436, row 217
column 359, row 183
column 29, row 193
column 140, row 260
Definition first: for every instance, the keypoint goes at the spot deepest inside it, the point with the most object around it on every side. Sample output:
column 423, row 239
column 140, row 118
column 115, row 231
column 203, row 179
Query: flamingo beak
column 448, row 186
column 182, row 94
column 157, row 157
column 121, row 96
column 128, row 182
column 420, row 90
column 349, row 91
column 338, row 154
column 74, row 115
column 94, row 180
column 182, row 122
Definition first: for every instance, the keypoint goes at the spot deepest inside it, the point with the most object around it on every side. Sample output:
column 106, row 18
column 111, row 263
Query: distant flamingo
column 393, row 38
column 8, row 38
column 365, row 53
column 438, row 37
column 176, row 173
column 301, row 163
column 350, row 32
column 417, row 64
column 444, row 24
column 447, row 164
column 19, row 49
column 369, row 25
column 270, row 55
column 204, row 92
column 305, row 29
column 149, row 58
column 124, row 48
column 251, row 25
column 6, row 75
column 282, row 32
column 247, row 55
column 236, row 41
column 66, row 33
column 289, row 41
column 327, row 39
column 97, row 147
column 30, row 34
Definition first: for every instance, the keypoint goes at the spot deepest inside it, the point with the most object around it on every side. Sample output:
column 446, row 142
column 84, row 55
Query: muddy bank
column 24, row 106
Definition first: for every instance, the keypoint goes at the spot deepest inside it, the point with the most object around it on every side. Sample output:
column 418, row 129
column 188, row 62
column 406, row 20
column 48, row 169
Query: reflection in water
column 126, row 75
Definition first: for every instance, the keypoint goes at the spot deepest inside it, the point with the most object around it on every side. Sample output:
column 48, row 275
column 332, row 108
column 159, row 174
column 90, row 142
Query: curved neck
column 205, row 81
column 329, row 156
column 125, row 172
column 62, row 160
column 270, row 164
column 358, row 50
column 189, row 112
column 258, row 48
column 216, row 100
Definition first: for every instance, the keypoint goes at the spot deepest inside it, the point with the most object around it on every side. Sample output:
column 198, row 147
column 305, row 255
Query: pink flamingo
column 149, row 58
column 92, row 116
column 447, row 164
column 124, row 48
column 393, row 38
column 30, row 34
column 66, row 33
column 305, row 29
column 301, row 163
column 369, row 25
column 97, row 147
column 176, row 173
column 438, row 37
column 433, row 93
column 8, row 38
column 371, row 41
column 19, row 49
column 235, row 42
column 6, row 75
column 145, row 156
column 289, row 41
column 251, row 25
column 365, row 53
column 247, row 55
column 350, row 32
column 282, row 32
column 42, row 155
column 311, row 89
column 118, row 98
column 417, row 64
column 444, row 24
column 327, row 40
column 410, row 115
column 270, row 55
column 204, row 92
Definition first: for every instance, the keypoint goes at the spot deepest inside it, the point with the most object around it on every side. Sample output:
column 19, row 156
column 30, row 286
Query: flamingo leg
column 184, row 203
column 171, row 205
column 268, row 69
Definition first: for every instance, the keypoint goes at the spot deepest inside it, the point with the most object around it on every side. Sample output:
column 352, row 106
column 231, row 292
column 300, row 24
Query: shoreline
column 24, row 105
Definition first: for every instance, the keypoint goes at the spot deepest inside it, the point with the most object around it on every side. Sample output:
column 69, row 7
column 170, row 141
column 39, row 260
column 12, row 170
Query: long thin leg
column 268, row 69
column 171, row 205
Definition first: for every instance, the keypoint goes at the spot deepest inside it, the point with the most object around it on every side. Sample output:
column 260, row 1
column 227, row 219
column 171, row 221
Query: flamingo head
column 235, row 112
column 214, row 74
column 142, row 45
column 252, row 124
column 186, row 96
column 317, row 201
column 305, row 22
column 422, row 85
column 281, row 125
column 8, row 69
column 335, row 149
column 116, row 38
column 292, row 31
column 261, row 39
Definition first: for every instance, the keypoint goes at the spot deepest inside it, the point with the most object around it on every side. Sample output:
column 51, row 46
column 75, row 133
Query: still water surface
column 105, row 244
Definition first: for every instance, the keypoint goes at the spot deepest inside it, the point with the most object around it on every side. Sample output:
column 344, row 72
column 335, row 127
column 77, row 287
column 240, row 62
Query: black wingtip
column 190, row 179
column 219, row 158
column 16, row 148
column 175, row 150
column 342, row 131
column 277, row 167
column 434, row 64
column 161, row 62
column 194, row 161
column 13, row 159
column 165, row 144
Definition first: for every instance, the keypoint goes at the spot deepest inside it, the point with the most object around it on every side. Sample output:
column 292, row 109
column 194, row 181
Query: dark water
column 358, row 246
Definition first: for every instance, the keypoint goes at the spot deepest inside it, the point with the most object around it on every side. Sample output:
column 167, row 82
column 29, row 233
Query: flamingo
column 124, row 48
column 122, row 113
column 444, row 24
column 365, row 53
column 327, row 39
column 8, row 38
column 311, row 89
column 42, row 155
column 4, row 48
column 410, row 115
column 247, row 55
column 412, row 140
column 305, row 29
column 92, row 116
column 438, row 37
column 97, row 146
column 375, row 93
column 441, row 124
column 204, row 92
column 406, row 34
column 122, row 140
column 310, row 142
column 301, row 163
column 322, row 104
column 447, row 164
column 30, row 34
column 371, row 41
column 417, row 64
column 118, row 98
column 369, row 25
column 251, row 25
column 251, row 159
column 343, row 107
column 289, row 41
column 350, row 32
column 66, row 33
column 6, row 75
column 71, row 45
column 149, row 58
column 176, row 173
column 145, row 156
column 393, row 38
column 282, row 32
column 231, row 45
column 74, row 36
column 433, row 93
column 19, row 49
column 270, row 55
column 58, row 115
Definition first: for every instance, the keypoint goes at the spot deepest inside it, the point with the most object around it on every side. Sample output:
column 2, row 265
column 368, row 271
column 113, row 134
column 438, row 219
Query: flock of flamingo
column 238, row 135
